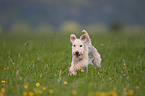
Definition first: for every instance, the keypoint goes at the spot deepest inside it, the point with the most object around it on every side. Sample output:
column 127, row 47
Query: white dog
column 83, row 54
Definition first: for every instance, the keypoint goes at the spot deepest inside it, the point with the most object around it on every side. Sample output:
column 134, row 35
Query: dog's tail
column 88, row 41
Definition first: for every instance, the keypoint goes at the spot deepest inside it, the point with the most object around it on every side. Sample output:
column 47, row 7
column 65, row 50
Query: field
column 38, row 65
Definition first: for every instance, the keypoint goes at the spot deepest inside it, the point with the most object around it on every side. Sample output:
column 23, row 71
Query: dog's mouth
column 77, row 55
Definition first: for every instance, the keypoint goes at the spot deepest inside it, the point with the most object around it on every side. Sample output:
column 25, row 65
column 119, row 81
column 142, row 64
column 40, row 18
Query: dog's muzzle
column 77, row 54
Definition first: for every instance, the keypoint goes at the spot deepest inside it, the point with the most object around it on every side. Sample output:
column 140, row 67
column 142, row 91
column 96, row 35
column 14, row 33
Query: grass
column 38, row 64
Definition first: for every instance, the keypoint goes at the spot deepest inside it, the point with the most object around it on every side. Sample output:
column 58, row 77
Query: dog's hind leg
column 88, row 40
column 97, row 59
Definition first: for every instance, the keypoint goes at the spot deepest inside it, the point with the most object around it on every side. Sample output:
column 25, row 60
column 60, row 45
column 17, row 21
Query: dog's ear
column 83, row 38
column 72, row 38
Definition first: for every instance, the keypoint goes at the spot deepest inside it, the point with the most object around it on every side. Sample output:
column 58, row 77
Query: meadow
column 38, row 65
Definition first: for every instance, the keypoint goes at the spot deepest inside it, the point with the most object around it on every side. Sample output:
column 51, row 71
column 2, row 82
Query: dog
column 83, row 54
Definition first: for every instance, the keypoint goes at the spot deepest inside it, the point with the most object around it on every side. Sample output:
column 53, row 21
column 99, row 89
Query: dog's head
column 78, row 45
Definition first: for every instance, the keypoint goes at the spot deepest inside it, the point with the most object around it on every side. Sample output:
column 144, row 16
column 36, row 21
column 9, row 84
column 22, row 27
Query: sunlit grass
column 38, row 65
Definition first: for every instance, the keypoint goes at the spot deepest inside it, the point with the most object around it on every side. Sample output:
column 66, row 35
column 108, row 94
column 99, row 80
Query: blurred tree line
column 57, row 13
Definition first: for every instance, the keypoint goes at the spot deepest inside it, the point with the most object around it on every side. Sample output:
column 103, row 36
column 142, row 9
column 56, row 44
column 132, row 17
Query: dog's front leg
column 72, row 68
column 82, row 64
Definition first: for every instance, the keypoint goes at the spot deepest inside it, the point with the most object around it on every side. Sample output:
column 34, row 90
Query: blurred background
column 72, row 16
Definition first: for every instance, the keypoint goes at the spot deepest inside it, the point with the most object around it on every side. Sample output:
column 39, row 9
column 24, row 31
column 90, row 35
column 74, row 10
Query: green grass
column 45, row 58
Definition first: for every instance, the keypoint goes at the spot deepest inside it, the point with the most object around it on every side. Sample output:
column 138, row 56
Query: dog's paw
column 69, row 74
column 74, row 73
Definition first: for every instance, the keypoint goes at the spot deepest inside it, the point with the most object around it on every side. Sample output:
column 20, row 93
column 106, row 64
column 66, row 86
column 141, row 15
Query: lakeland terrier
column 83, row 54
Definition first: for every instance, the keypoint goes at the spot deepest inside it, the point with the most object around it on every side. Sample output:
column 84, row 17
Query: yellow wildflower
column 3, row 81
column 24, row 93
column 130, row 92
column 30, row 93
column 128, row 69
column 5, row 68
column 65, row 83
column 3, row 90
column 114, row 93
column 91, row 93
column 82, row 70
column 43, row 88
column 1, row 94
column 40, row 91
column 37, row 84
column 74, row 92
column 137, row 87
column 103, row 94
column 124, row 64
column 51, row 91
column 124, row 75
column 127, row 77
column 26, row 86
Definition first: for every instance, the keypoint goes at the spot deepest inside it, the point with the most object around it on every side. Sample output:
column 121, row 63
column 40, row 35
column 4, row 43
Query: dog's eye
column 74, row 45
column 80, row 45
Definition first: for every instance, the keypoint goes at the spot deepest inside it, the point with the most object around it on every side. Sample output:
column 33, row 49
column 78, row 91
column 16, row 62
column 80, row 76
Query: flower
column 128, row 69
column 30, row 93
column 130, row 92
column 37, row 84
column 137, row 87
column 24, row 93
column 3, row 90
column 51, row 91
column 26, row 86
column 43, row 88
column 5, row 68
column 82, row 70
column 1, row 94
column 3, row 81
column 90, row 93
column 65, row 83
column 40, row 91
column 127, row 77
column 103, row 94
column 74, row 92
column 124, row 64
column 124, row 75
column 115, row 94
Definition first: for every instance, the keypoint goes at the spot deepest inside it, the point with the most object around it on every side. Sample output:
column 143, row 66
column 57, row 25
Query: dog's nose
column 77, row 52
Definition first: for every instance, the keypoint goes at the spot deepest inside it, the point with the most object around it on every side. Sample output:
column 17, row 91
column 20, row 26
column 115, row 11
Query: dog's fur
column 83, row 54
